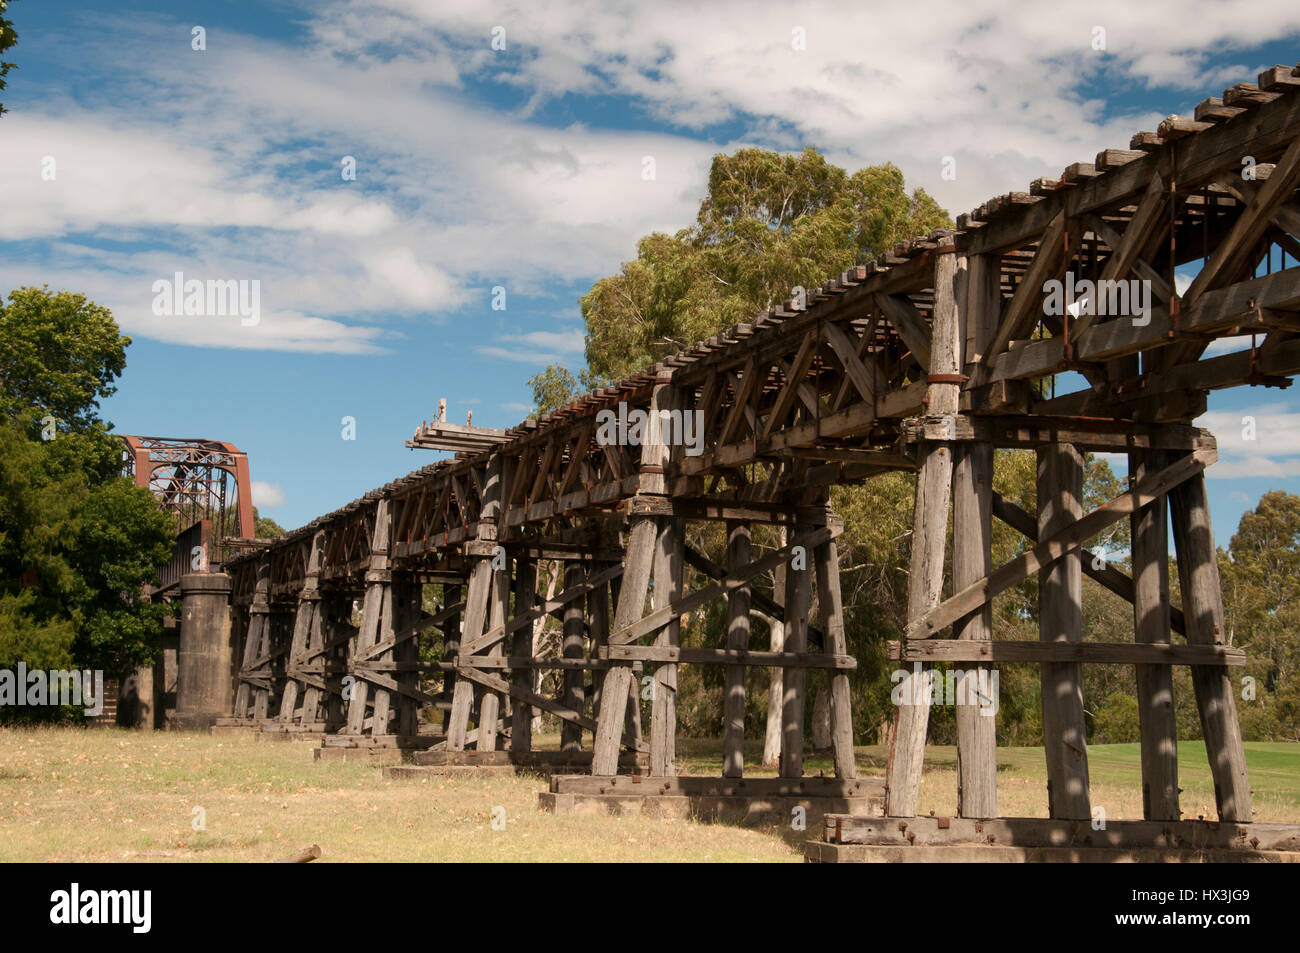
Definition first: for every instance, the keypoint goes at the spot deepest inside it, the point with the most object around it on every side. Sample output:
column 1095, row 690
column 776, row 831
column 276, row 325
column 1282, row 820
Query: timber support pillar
column 1198, row 573
column 306, row 623
column 1060, row 619
column 252, row 693
column 668, row 573
column 376, row 627
column 972, row 560
column 738, row 603
column 487, row 598
column 830, row 601
column 521, row 724
column 643, row 539
column 929, row 533
column 798, row 589
column 1152, row 623
column 572, row 647
column 976, row 688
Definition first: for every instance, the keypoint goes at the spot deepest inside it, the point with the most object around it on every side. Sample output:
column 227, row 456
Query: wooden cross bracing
column 927, row 360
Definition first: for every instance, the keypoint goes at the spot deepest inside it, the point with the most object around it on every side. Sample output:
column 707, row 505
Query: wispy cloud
column 1261, row 441
column 538, row 347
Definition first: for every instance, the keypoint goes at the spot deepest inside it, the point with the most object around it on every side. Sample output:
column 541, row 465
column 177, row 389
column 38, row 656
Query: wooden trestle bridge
column 927, row 360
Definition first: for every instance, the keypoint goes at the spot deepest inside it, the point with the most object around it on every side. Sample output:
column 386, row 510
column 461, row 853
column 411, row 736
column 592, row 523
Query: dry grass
column 74, row 795
column 77, row 795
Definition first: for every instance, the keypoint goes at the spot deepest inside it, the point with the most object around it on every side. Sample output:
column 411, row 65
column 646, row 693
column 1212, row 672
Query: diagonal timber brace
column 1068, row 540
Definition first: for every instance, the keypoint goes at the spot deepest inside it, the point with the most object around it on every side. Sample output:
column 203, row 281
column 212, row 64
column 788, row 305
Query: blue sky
column 518, row 168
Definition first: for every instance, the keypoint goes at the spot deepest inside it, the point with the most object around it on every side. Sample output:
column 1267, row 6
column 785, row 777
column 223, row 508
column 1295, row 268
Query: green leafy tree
column 25, row 638
column 264, row 527
column 552, row 388
column 122, row 537
column 7, row 39
column 556, row 386
column 62, row 354
column 78, row 542
column 769, row 222
column 1261, row 581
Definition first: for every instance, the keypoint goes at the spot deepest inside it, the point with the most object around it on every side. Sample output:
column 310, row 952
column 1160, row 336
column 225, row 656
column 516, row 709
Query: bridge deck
column 925, row 360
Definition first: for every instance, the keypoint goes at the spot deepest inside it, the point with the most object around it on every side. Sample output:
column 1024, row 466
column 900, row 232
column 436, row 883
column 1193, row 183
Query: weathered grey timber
column 930, row 359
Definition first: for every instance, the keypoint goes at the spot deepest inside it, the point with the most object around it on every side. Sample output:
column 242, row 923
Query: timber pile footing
column 374, row 748
column 483, row 764
column 234, row 728
column 265, row 731
column 891, row 840
column 746, row 801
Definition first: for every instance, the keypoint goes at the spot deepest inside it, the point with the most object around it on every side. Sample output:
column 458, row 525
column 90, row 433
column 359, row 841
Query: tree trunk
column 821, row 719
column 776, row 687
column 539, row 627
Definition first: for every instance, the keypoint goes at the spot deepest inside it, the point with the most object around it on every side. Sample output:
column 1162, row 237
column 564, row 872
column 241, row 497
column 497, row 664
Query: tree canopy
column 78, row 541
column 1261, row 581
column 769, row 222
column 62, row 354
column 7, row 39
column 264, row 527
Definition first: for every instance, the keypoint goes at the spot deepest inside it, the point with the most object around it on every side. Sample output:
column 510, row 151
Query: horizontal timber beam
column 1103, row 653
column 665, row 653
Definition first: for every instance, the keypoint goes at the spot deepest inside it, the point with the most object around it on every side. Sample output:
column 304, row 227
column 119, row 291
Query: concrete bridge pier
column 205, row 660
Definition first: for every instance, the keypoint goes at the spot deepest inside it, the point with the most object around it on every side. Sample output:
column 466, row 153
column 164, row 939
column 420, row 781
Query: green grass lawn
column 106, row 794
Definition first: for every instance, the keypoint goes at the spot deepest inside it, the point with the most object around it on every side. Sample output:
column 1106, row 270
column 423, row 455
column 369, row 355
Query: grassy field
column 81, row 795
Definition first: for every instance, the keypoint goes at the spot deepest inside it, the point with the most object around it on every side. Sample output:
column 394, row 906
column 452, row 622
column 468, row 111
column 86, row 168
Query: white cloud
column 980, row 81
column 267, row 494
column 228, row 164
column 1261, row 441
